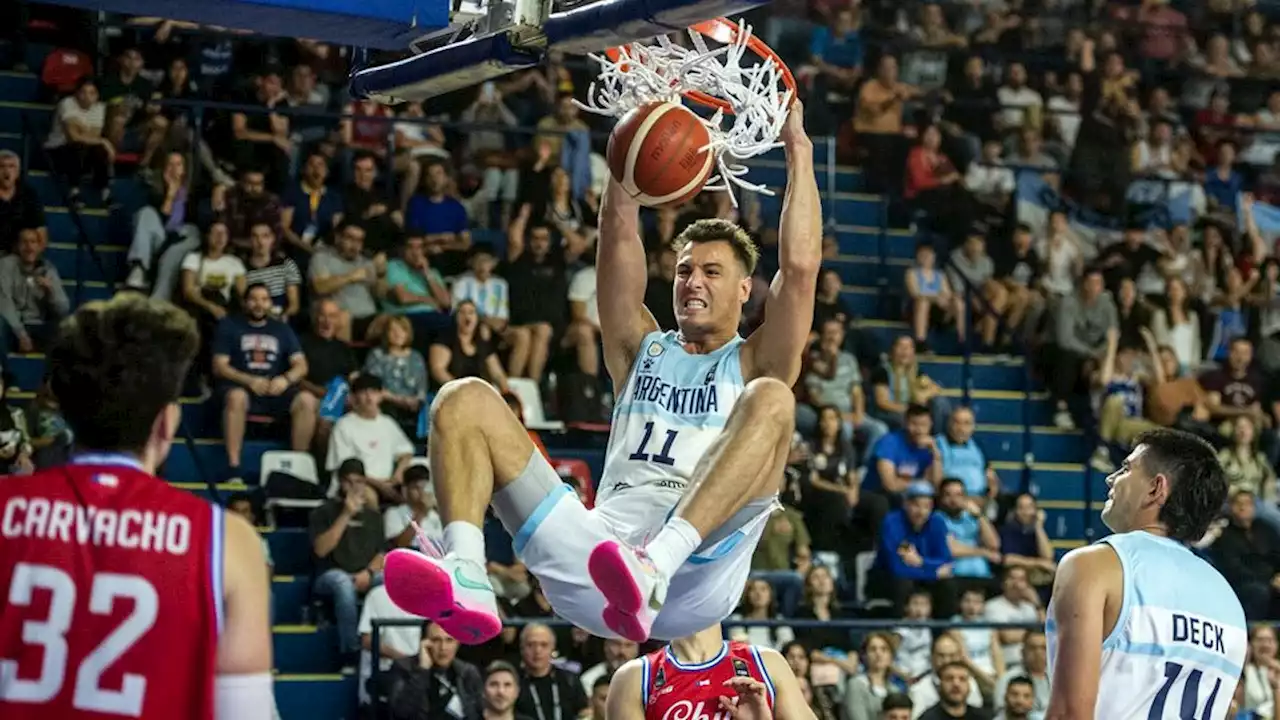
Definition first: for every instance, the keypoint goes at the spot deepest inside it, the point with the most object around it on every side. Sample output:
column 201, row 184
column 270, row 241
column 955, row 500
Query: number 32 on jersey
column 50, row 634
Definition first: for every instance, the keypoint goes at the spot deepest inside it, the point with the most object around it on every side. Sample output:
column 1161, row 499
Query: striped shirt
column 491, row 296
column 278, row 277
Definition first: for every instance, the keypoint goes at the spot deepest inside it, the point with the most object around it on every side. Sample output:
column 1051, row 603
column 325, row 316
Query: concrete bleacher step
column 63, row 228
column 38, row 115
column 305, row 648
column 869, row 271
column 19, row 86
column 291, row 550
column 1007, row 406
column 773, row 173
column 820, row 152
column 103, row 263
column 845, row 208
column 869, row 241
column 1052, row 482
column 316, row 696
column 289, row 595
column 1067, row 520
column 1013, row 443
column 985, row 371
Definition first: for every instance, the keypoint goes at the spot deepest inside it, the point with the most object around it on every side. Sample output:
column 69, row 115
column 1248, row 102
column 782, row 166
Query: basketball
column 657, row 152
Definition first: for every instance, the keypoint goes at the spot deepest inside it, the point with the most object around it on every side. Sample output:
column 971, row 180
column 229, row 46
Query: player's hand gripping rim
column 749, row 701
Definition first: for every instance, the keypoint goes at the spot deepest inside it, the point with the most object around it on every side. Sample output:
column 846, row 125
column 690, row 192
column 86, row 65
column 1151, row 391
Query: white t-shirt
column 1015, row 103
column 376, row 443
column 1152, row 159
column 989, row 180
column 924, row 694
column 68, row 109
column 913, row 650
column 1067, row 114
column 1000, row 610
column 401, row 638
column 583, row 289
column 220, row 274
column 397, row 517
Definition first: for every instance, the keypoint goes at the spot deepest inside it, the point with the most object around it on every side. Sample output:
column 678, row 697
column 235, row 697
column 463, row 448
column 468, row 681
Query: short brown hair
column 116, row 364
column 717, row 230
column 401, row 322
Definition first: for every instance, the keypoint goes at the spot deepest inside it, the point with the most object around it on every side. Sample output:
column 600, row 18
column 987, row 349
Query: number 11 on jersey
column 663, row 456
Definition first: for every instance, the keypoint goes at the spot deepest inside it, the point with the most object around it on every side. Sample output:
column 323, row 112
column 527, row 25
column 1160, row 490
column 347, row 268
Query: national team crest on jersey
column 651, row 356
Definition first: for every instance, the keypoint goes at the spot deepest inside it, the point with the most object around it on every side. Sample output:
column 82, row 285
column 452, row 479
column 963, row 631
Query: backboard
column 376, row 24
column 455, row 46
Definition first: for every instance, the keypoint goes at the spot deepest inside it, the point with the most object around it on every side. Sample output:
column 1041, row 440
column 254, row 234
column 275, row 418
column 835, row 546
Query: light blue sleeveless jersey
column 672, row 408
column 1179, row 644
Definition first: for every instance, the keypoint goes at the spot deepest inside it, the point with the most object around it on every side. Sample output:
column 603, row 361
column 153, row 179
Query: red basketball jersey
column 110, row 595
column 676, row 691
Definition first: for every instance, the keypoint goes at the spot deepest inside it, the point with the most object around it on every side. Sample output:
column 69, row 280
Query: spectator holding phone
column 32, row 300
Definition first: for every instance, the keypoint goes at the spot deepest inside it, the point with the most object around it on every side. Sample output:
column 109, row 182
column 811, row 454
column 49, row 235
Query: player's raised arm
column 244, row 686
column 774, row 349
column 1084, row 581
column 788, row 700
column 621, row 274
column 625, row 700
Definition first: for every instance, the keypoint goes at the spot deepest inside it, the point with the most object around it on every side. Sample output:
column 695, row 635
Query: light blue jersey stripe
column 1193, row 655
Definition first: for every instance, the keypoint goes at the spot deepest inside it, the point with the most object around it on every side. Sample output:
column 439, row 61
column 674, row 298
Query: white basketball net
column 661, row 73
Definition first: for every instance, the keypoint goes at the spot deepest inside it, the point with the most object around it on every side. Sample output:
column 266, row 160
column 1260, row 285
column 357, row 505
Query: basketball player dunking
column 1139, row 626
column 120, row 595
column 703, row 676
column 701, row 430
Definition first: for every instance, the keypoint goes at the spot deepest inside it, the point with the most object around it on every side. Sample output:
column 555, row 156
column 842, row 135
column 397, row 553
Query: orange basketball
column 657, row 152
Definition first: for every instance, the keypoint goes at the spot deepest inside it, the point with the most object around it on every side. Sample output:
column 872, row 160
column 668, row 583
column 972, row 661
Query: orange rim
column 724, row 32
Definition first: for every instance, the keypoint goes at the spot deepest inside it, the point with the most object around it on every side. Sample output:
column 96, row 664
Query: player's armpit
column 244, row 647
column 1085, row 579
column 625, row 701
column 788, row 700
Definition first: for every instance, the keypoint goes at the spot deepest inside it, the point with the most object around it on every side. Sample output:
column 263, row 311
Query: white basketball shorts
column 555, row 540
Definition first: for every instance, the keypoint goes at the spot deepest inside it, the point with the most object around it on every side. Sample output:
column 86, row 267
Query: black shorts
column 276, row 406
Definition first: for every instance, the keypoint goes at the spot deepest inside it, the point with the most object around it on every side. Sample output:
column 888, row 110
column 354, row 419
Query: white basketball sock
column 464, row 540
column 673, row 544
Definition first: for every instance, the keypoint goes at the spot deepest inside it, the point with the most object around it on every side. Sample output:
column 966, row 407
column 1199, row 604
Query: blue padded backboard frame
column 378, row 24
column 588, row 28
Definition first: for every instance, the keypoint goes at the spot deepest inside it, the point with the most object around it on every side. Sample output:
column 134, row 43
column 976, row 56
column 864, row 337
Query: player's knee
column 464, row 400
column 305, row 402
column 770, row 399
column 237, row 399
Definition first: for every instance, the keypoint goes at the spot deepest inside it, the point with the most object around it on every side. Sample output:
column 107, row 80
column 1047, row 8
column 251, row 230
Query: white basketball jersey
column 672, row 408
column 1179, row 644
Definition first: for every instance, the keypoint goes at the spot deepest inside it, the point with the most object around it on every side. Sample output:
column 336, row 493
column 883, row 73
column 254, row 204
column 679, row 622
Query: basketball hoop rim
column 724, row 31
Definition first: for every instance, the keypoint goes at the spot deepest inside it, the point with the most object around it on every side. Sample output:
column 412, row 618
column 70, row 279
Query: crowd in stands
column 393, row 250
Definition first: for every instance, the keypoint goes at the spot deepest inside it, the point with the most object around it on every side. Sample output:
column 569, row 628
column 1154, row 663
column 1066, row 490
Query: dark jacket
column 1247, row 556
column 425, row 694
